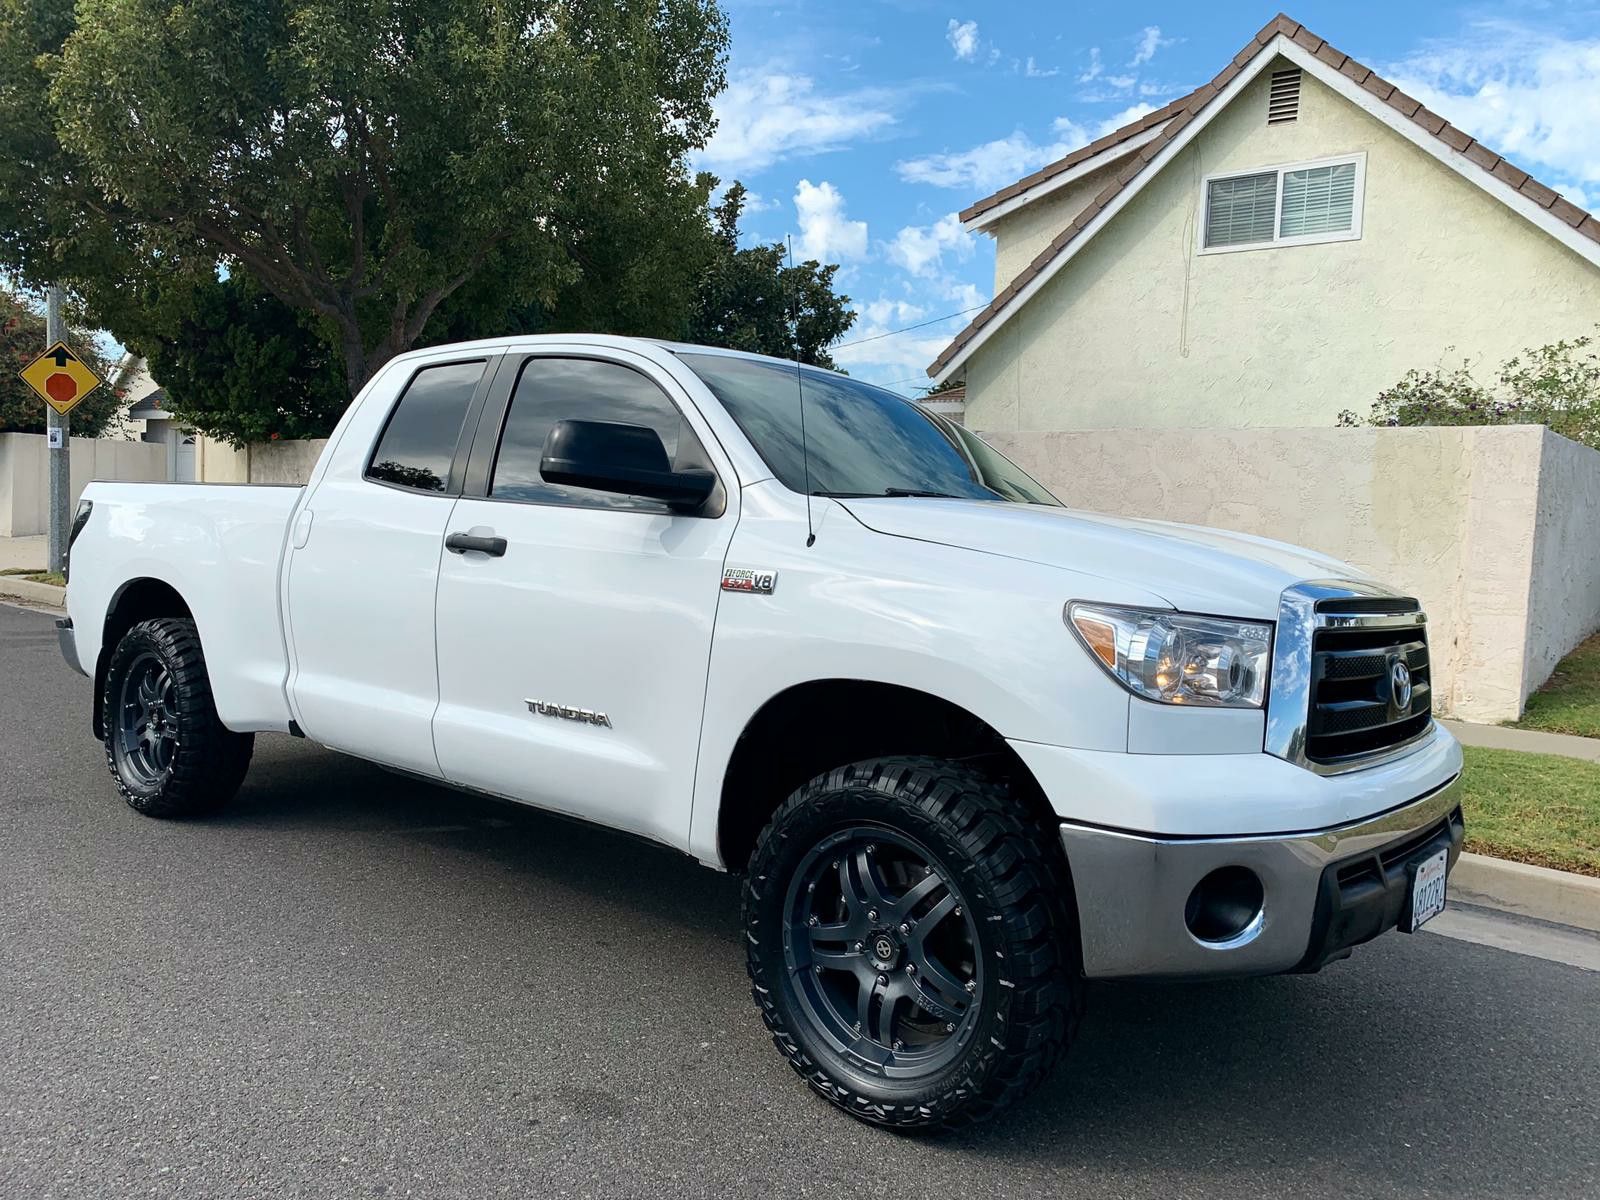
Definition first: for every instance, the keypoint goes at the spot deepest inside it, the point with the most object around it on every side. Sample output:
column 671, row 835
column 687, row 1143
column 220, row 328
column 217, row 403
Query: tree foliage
column 1557, row 385
column 22, row 338
column 236, row 362
column 268, row 198
column 752, row 299
column 364, row 162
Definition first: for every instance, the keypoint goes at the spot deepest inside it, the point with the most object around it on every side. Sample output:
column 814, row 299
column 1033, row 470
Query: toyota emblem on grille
column 1400, row 685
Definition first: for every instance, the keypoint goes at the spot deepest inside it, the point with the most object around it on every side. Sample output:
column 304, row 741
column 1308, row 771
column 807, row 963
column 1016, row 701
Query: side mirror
column 630, row 460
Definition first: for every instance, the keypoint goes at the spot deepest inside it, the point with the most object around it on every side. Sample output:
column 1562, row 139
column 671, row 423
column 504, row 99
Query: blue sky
column 863, row 127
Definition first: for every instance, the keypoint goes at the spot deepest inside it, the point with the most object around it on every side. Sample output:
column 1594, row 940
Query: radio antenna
column 800, row 393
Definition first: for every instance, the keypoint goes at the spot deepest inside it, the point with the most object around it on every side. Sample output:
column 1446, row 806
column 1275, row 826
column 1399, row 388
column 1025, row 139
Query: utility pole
column 60, row 429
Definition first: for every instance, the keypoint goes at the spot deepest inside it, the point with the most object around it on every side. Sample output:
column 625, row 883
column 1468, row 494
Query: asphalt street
column 352, row 984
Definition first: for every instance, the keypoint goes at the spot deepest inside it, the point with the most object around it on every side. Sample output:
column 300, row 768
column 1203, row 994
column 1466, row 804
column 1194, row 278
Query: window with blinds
column 1242, row 209
column 1318, row 200
column 1291, row 204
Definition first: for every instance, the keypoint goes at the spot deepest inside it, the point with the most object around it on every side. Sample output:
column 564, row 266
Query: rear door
column 572, row 667
column 364, row 565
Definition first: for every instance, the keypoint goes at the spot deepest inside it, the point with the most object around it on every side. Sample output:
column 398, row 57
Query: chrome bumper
column 69, row 644
column 1323, row 891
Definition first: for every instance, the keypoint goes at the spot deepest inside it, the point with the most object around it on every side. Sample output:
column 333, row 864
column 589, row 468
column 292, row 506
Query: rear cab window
column 418, row 443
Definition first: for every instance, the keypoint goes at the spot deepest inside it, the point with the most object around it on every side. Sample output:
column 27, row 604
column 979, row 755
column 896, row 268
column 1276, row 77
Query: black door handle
column 460, row 543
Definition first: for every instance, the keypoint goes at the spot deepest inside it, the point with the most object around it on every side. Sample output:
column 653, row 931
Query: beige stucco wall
column 1485, row 526
column 1139, row 329
column 25, row 474
column 1564, row 599
column 264, row 462
column 285, row 462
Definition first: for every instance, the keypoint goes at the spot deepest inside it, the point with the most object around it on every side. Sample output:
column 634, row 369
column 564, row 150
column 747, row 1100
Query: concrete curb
column 1557, row 896
column 34, row 593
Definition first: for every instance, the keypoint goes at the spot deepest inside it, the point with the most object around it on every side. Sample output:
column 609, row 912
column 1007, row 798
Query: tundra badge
column 567, row 713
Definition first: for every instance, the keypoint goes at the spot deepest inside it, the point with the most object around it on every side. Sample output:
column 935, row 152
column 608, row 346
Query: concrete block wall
column 25, row 474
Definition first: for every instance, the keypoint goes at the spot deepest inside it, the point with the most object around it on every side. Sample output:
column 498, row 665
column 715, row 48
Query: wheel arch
column 813, row 726
column 137, row 600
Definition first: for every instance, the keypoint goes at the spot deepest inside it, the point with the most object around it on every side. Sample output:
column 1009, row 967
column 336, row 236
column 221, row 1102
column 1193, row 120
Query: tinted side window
column 420, row 439
column 560, row 389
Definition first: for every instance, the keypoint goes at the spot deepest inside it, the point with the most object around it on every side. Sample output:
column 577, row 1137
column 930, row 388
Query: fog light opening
column 1225, row 907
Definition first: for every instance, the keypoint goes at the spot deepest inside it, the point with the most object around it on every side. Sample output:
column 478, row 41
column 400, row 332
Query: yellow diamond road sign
column 61, row 377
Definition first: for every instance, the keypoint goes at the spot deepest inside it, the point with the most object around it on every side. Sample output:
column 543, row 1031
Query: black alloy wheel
column 884, row 951
column 168, row 751
column 145, row 739
column 911, row 941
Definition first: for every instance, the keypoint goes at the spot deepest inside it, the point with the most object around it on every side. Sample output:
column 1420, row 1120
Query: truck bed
column 218, row 546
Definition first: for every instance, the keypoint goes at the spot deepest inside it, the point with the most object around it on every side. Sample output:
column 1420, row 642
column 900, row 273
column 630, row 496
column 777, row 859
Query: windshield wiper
column 925, row 495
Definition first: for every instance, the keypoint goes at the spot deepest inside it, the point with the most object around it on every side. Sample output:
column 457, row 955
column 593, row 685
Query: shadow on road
column 1383, row 1068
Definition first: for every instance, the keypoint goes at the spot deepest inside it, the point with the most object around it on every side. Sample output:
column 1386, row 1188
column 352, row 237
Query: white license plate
column 1427, row 889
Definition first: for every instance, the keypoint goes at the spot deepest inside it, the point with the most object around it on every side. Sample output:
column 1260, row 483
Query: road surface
column 352, row 984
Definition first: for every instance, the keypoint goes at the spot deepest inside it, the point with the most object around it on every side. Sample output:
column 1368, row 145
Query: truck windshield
column 861, row 440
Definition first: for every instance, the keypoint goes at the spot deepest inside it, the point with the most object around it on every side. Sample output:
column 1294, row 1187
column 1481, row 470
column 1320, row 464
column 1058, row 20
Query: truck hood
column 1193, row 568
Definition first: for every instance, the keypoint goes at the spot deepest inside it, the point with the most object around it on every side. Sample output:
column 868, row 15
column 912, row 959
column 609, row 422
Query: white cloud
column 963, row 39
column 983, row 168
column 1122, row 82
column 992, row 165
column 1577, row 195
column 1531, row 95
column 1070, row 133
column 1150, row 40
column 825, row 234
column 1126, row 117
column 763, row 117
column 1092, row 71
column 902, row 359
column 1034, row 71
column 920, row 249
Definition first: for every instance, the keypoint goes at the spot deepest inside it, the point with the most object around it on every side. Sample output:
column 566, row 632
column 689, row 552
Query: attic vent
column 1283, row 102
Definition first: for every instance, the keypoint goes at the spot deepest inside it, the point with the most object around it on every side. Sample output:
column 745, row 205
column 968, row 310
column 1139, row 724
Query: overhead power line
column 920, row 325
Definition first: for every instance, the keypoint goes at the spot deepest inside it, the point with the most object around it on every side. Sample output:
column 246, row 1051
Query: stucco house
column 1274, row 247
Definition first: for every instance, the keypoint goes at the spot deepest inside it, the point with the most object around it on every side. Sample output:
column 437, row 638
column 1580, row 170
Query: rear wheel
column 909, row 942
column 167, row 750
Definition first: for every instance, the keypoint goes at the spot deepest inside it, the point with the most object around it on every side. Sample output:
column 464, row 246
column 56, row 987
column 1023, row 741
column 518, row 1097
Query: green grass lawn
column 1570, row 701
column 1534, row 808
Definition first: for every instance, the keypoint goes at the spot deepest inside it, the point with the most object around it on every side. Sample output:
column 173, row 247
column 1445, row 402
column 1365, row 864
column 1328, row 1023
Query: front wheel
column 910, row 944
column 169, row 753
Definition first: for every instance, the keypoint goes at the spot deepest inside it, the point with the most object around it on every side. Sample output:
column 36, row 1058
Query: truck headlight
column 1178, row 658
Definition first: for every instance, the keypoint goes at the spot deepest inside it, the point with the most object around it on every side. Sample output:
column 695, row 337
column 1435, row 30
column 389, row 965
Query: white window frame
column 1352, row 234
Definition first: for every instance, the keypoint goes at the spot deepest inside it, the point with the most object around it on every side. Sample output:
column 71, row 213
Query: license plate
column 1427, row 889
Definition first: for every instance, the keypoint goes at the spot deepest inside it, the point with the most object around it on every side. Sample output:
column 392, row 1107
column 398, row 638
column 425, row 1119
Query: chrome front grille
column 1344, row 657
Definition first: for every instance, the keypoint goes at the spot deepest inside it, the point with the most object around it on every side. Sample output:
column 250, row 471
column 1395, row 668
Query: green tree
column 752, row 299
column 22, row 337
column 363, row 162
column 236, row 362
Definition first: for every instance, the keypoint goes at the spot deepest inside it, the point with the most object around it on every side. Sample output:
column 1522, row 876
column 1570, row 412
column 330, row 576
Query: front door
column 363, row 568
column 572, row 666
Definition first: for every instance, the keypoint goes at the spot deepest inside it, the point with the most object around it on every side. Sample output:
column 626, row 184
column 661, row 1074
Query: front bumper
column 1323, row 891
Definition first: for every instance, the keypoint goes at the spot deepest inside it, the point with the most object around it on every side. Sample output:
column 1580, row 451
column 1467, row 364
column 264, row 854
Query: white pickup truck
column 968, row 747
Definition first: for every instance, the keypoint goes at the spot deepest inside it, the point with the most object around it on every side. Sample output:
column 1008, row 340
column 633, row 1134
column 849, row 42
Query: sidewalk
column 1531, row 741
column 26, row 552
